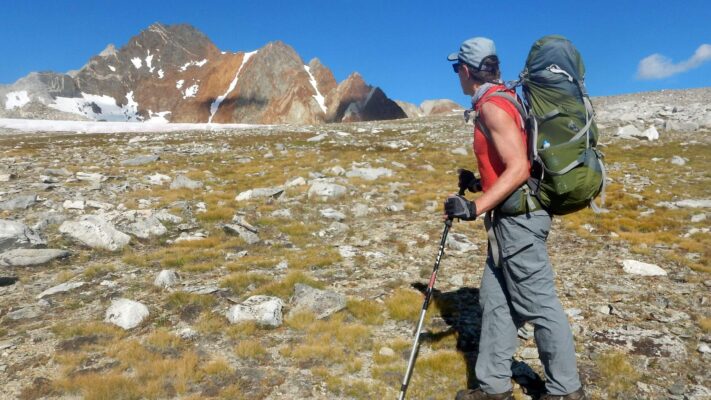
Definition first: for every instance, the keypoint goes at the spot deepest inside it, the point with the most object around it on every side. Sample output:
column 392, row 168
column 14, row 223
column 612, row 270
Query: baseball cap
column 473, row 51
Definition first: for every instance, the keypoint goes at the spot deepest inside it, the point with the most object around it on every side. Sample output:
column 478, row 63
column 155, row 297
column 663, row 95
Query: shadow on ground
column 461, row 316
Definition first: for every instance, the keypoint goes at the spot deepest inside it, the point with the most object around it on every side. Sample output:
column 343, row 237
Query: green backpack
column 567, row 172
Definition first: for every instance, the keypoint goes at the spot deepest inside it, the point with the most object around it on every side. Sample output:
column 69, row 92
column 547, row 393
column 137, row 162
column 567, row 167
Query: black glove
column 468, row 181
column 460, row 207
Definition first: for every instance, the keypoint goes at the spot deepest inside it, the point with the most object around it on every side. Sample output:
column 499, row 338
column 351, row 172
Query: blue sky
column 398, row 45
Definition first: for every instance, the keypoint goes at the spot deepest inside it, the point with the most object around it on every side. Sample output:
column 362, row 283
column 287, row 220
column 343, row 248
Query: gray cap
column 474, row 50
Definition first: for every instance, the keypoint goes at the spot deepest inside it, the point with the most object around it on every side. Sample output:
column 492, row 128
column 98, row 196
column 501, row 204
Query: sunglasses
column 456, row 67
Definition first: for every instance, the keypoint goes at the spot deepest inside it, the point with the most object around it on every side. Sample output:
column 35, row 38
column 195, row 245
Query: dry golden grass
column 239, row 281
column 705, row 324
column 285, row 287
column 251, row 349
column 300, row 321
column 404, row 305
column 369, row 311
column 618, row 375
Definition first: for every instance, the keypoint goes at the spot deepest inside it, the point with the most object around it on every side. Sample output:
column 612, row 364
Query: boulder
column 30, row 257
column 165, row 216
column 640, row 268
column 141, row 224
column 73, row 204
column 644, row 342
column 28, row 312
column 90, row 177
column 16, row 235
column 157, row 179
column 22, row 202
column 326, row 190
column 259, row 193
column 182, row 181
column 264, row 310
column 126, row 313
column 140, row 160
column 330, row 213
column 245, row 234
column 650, row 133
column 320, row 302
column 61, row 288
column 369, row 174
column 95, row 232
column 166, row 278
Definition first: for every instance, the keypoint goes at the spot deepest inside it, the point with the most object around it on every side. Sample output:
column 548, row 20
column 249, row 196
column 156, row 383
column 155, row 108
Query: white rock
column 16, row 235
column 698, row 218
column 165, row 216
column 628, row 132
column 459, row 242
column 98, row 205
column 166, row 278
column 347, row 251
column 693, row 203
column 676, row 160
column 182, row 181
column 330, row 213
column 651, row 133
column 259, row 193
column 90, row 177
column 395, row 207
column 369, row 174
column 264, row 310
column 317, row 138
column 320, row 302
column 157, row 179
column 282, row 213
column 337, row 170
column 386, row 352
column 245, row 234
column 640, row 268
column 529, row 353
column 95, row 232
column 326, row 190
column 126, row 313
column 30, row 257
column 704, row 348
column 461, row 151
column 64, row 287
column 73, row 204
column 296, row 182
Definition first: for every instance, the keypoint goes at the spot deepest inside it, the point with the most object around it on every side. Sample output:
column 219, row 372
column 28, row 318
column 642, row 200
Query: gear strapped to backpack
column 567, row 172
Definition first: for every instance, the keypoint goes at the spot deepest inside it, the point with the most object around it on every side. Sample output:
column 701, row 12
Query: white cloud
column 658, row 66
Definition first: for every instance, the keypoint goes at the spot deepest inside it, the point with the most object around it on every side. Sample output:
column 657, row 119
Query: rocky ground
column 284, row 262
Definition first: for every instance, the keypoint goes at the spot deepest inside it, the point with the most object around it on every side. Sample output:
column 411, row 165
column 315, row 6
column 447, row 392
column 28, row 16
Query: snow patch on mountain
column 191, row 91
column 112, row 68
column 99, row 107
column 42, row 125
column 137, row 62
column 193, row 63
column 216, row 104
column 160, row 74
column 179, row 84
column 16, row 99
column 158, row 118
column 318, row 96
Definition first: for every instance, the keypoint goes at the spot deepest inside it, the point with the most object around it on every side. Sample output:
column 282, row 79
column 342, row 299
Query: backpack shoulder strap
column 523, row 115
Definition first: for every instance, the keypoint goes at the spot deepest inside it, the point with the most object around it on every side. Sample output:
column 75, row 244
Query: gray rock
column 628, row 132
column 704, row 348
column 24, row 313
column 166, row 278
column 61, row 288
column 90, row 177
column 57, row 172
column 95, row 232
column 459, row 242
column 680, row 161
column 529, row 353
column 19, row 203
column 640, row 268
column 245, row 234
column 182, row 181
column 165, row 216
column 126, row 313
column 296, row 182
column 260, row 193
column 157, row 179
column 369, row 174
column 697, row 392
column 282, row 213
column 73, row 204
column 639, row 341
column 320, row 302
column 326, row 190
column 16, row 235
column 140, row 160
column 264, row 310
column 330, row 213
column 141, row 224
column 48, row 218
column 30, row 257
column 698, row 218
column 395, row 207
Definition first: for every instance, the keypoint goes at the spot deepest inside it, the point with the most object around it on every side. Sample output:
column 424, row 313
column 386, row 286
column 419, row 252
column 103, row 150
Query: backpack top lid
column 555, row 50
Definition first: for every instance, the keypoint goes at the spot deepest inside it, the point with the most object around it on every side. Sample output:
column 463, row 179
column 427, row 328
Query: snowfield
column 41, row 125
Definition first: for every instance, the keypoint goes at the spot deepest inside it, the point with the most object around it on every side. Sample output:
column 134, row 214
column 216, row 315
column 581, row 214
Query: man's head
column 476, row 63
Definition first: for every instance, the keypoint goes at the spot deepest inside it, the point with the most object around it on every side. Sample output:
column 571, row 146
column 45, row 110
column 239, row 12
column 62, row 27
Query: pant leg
column 498, row 333
column 530, row 282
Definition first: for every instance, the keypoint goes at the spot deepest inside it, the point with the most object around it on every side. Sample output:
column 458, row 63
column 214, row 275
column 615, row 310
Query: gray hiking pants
column 522, row 289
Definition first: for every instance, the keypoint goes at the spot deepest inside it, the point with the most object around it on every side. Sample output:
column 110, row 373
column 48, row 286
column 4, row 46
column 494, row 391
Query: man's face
column 464, row 80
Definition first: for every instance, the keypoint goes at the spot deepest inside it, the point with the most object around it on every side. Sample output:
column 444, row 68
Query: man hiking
column 517, row 285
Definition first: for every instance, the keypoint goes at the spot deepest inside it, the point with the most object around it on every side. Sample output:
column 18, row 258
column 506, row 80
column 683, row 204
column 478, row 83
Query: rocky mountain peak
column 109, row 51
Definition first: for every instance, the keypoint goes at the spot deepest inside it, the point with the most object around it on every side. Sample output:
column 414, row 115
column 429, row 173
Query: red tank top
column 488, row 159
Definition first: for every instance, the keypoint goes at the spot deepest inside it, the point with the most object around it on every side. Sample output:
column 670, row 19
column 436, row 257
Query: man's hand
column 468, row 181
column 460, row 207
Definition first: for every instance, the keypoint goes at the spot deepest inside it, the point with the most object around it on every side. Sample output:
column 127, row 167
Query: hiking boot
column 576, row 395
column 478, row 394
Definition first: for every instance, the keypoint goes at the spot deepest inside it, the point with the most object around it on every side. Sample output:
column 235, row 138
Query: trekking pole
column 428, row 297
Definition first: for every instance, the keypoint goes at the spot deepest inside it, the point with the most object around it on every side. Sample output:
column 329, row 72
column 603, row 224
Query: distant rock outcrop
column 431, row 107
column 174, row 73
